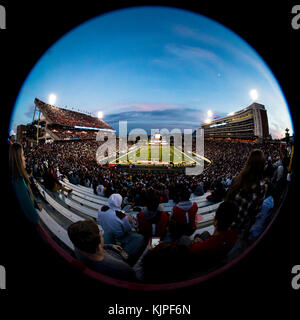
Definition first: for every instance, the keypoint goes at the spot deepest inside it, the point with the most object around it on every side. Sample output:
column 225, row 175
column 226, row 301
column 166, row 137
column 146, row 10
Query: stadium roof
column 64, row 117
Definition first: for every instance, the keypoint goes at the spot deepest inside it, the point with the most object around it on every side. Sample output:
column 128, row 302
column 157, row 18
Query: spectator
column 218, row 193
column 95, row 184
column 125, row 195
column 261, row 218
column 247, row 191
column 269, row 169
column 52, row 183
column 117, row 227
column 21, row 183
column 184, row 214
column 100, row 190
column 215, row 247
column 92, row 252
column 152, row 221
column 280, row 174
column 199, row 190
column 72, row 178
column 11, row 138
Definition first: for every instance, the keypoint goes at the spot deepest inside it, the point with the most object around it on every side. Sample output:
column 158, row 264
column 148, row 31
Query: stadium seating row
column 62, row 234
column 71, row 206
column 88, row 194
column 55, row 228
column 207, row 213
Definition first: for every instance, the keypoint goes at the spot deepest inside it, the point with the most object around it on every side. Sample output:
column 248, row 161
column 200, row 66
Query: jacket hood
column 185, row 205
column 115, row 201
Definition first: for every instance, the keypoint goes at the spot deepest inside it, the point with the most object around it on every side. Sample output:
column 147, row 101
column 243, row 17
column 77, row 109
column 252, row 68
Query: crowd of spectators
column 69, row 118
column 247, row 177
column 77, row 161
column 67, row 134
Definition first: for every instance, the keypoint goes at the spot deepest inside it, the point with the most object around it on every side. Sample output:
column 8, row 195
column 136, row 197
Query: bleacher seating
column 74, row 211
column 78, row 207
column 55, row 228
column 58, row 207
column 79, row 191
column 81, row 203
column 87, row 203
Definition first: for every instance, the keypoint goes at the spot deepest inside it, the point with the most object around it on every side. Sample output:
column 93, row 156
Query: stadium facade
column 58, row 124
column 250, row 123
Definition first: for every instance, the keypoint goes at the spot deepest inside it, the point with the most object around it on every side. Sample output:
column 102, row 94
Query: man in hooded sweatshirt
column 184, row 214
column 117, row 227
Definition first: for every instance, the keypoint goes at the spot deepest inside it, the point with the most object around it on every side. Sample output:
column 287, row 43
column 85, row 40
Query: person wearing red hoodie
column 152, row 222
column 184, row 214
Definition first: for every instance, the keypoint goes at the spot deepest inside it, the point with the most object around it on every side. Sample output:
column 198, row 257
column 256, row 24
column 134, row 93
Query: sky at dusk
column 155, row 67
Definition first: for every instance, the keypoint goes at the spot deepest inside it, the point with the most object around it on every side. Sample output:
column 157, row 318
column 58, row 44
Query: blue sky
column 155, row 67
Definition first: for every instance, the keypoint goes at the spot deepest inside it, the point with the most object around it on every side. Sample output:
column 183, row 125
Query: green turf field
column 155, row 155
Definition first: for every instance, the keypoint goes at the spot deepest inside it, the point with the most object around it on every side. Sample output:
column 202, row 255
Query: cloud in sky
column 234, row 48
column 152, row 107
column 189, row 118
column 193, row 53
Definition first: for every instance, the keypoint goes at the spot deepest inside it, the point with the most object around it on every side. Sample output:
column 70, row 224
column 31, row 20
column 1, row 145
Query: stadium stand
column 58, row 124
column 57, row 227
column 82, row 204
column 64, row 117
column 74, row 166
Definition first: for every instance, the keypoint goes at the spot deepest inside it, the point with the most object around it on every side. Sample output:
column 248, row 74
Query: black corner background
column 36, row 276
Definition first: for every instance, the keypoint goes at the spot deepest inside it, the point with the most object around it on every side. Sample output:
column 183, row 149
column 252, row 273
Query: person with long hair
column 248, row 190
column 21, row 182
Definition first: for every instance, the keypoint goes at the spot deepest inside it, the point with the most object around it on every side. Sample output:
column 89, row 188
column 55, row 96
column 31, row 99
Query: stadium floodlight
column 209, row 113
column 207, row 121
column 100, row 114
column 253, row 94
column 230, row 114
column 52, row 99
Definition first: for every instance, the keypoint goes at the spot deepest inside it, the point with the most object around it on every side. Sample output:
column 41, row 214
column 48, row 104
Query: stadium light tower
column 253, row 94
column 209, row 113
column 52, row 99
column 100, row 114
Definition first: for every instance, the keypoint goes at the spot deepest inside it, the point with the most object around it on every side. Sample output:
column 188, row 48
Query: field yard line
column 187, row 155
column 126, row 154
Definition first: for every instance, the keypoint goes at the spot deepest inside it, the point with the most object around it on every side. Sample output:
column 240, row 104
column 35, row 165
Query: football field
column 156, row 155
